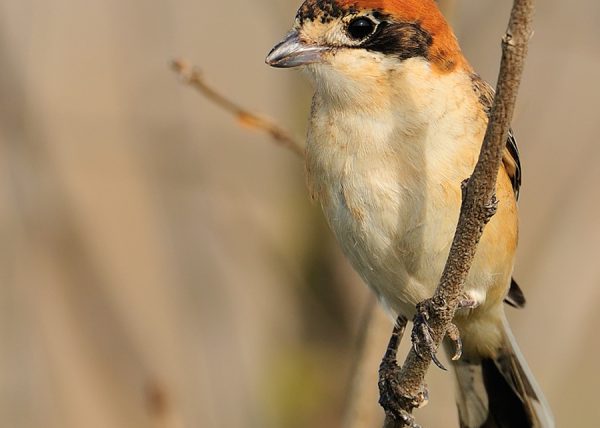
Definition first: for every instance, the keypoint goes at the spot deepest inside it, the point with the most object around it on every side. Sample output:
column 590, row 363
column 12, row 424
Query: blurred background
column 161, row 266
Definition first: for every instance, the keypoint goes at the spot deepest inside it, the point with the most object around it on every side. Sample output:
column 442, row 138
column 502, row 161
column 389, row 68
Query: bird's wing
column 515, row 296
column 512, row 166
column 510, row 158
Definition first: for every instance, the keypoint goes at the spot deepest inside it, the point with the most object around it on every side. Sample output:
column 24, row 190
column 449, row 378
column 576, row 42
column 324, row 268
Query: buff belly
column 396, row 228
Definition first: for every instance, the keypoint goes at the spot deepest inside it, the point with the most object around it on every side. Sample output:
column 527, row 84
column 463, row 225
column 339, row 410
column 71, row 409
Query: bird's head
column 365, row 39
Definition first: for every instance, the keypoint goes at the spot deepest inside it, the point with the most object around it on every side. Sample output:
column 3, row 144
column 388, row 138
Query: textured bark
column 478, row 200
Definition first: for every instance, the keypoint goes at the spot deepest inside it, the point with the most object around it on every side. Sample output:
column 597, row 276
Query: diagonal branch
column 478, row 199
column 193, row 77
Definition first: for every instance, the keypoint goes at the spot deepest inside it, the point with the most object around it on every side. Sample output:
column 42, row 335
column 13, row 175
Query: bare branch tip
column 192, row 76
column 180, row 66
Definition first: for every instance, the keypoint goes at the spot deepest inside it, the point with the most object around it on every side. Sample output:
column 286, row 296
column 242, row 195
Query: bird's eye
column 360, row 28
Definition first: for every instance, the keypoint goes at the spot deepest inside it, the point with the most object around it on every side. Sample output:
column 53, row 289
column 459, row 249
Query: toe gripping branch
column 422, row 333
column 392, row 397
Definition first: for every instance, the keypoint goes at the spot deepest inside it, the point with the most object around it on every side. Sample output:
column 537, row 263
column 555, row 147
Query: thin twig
column 193, row 77
column 359, row 409
column 478, row 200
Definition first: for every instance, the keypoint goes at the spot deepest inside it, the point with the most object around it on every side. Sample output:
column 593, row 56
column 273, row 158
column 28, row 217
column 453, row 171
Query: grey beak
column 292, row 52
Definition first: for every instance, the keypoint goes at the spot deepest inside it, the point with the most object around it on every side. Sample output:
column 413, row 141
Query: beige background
column 162, row 267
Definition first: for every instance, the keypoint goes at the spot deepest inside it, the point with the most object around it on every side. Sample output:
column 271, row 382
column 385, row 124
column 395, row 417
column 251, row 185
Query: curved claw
column 458, row 349
column 437, row 362
column 422, row 341
column 454, row 335
column 430, row 354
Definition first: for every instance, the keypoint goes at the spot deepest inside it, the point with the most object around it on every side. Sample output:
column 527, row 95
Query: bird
column 397, row 121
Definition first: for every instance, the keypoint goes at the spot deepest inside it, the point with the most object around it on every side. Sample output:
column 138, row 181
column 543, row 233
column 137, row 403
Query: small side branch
column 193, row 77
column 478, row 203
column 359, row 410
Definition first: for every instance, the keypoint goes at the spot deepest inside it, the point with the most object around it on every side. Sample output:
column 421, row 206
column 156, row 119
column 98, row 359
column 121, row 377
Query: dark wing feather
column 515, row 297
column 512, row 165
column 510, row 158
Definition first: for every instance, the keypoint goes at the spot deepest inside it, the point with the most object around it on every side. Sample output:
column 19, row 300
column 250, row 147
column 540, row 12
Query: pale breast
column 376, row 202
column 392, row 199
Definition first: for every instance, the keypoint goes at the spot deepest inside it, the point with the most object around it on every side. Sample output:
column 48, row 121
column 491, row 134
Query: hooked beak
column 292, row 52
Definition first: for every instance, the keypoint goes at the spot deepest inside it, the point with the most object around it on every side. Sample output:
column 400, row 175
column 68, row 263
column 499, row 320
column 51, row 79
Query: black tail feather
column 506, row 409
column 500, row 392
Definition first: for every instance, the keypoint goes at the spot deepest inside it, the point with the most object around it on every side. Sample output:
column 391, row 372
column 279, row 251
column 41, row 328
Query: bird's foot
column 422, row 334
column 454, row 335
column 392, row 397
column 465, row 302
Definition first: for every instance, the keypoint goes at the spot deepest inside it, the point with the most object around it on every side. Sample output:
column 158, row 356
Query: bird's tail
column 500, row 392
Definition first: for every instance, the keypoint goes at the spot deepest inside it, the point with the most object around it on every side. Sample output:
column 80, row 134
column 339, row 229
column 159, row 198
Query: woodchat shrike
column 397, row 122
